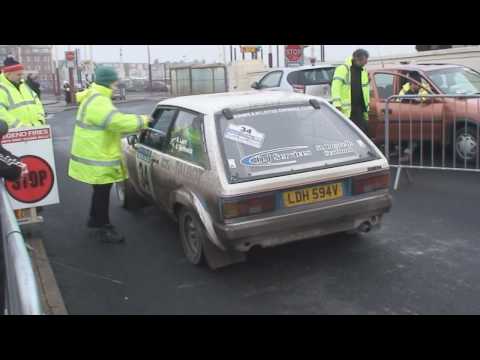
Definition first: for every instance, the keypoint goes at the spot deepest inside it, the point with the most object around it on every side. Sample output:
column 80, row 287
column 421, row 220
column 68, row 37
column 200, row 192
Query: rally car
column 238, row 170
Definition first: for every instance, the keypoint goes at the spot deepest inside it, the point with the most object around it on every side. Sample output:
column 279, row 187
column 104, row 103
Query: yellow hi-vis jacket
column 341, row 88
column 422, row 92
column 96, row 155
column 20, row 107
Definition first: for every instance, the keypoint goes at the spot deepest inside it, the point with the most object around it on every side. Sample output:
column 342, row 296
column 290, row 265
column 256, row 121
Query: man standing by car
column 351, row 88
column 96, row 155
column 19, row 105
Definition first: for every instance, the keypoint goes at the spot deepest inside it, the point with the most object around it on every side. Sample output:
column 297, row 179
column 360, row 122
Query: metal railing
column 22, row 296
column 437, row 132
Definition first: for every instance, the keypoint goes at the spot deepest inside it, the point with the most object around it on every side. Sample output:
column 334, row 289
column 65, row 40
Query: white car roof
column 212, row 103
column 308, row 67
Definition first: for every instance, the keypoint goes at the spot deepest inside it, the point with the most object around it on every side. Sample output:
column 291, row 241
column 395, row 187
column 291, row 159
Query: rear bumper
column 308, row 223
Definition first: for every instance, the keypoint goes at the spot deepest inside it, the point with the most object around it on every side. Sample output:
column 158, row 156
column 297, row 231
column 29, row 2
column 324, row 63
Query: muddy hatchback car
column 239, row 170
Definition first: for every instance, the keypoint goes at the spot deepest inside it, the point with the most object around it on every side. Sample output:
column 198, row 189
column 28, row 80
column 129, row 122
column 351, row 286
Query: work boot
column 108, row 234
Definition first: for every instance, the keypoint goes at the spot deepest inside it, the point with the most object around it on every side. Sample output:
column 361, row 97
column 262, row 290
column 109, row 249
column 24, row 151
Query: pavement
column 424, row 260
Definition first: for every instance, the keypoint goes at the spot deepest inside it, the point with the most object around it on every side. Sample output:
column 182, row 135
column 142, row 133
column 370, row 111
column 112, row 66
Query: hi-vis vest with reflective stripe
column 96, row 155
column 20, row 107
column 341, row 88
column 406, row 88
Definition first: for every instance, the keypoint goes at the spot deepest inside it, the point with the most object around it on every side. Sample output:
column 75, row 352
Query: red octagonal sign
column 293, row 53
column 36, row 185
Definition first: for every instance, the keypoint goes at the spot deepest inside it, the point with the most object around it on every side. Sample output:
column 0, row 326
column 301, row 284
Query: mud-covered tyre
column 192, row 236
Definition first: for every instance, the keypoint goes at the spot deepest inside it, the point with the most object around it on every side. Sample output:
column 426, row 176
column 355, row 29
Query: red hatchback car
column 454, row 122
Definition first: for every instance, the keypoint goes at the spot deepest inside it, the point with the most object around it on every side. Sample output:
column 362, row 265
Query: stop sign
column 70, row 55
column 293, row 53
column 36, row 185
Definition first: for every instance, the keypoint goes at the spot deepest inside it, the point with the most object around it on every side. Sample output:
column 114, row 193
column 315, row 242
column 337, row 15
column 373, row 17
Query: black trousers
column 100, row 205
column 357, row 117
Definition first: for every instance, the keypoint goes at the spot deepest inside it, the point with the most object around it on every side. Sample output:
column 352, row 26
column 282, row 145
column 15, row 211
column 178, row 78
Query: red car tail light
column 299, row 88
column 372, row 182
column 245, row 207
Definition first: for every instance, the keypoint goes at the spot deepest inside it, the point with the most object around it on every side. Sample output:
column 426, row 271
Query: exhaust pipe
column 365, row 227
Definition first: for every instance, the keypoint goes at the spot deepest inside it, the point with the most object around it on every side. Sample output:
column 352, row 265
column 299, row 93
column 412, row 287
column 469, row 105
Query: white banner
column 34, row 147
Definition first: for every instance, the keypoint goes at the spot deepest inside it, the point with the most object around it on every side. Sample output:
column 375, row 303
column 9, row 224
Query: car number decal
column 245, row 134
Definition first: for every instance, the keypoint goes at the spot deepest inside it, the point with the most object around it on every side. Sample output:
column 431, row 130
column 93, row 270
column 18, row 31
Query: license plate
column 312, row 194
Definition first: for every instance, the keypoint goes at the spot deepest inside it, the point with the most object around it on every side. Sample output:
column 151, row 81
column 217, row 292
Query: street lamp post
column 270, row 56
column 149, row 69
column 278, row 56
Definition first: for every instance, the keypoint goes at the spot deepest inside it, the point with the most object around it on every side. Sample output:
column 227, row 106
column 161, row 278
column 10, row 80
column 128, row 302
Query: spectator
column 66, row 88
column 34, row 84
column 10, row 166
column 19, row 105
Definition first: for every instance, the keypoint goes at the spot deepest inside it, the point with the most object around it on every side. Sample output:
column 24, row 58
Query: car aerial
column 454, row 121
column 238, row 170
column 311, row 80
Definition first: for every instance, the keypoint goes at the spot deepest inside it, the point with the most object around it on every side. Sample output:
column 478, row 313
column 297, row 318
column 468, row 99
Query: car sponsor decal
column 244, row 134
column 188, row 171
column 276, row 157
column 182, row 145
column 232, row 164
column 144, row 154
column 271, row 111
column 334, row 149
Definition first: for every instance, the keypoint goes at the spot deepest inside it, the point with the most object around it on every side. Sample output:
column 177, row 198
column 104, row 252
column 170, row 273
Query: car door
column 421, row 120
column 183, row 158
column 383, row 86
column 149, row 150
column 409, row 120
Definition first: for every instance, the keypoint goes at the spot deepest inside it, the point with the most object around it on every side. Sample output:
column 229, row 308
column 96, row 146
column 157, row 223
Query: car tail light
column 245, row 207
column 368, row 183
column 299, row 88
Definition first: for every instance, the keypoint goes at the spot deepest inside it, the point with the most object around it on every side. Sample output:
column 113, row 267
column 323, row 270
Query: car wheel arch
column 190, row 200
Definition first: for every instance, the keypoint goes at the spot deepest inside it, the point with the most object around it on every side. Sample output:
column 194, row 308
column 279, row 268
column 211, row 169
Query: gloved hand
column 150, row 121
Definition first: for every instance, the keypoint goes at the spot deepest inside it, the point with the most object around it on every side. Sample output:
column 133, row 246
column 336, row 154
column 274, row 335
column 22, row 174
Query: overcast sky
column 213, row 53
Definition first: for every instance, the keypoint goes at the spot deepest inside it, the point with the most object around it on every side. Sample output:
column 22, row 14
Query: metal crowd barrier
column 437, row 132
column 22, row 296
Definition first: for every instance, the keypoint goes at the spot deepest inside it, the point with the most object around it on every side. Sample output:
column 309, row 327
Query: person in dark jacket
column 66, row 88
column 11, row 168
column 34, row 84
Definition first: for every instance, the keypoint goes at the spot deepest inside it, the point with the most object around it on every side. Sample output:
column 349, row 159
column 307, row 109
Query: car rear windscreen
column 281, row 140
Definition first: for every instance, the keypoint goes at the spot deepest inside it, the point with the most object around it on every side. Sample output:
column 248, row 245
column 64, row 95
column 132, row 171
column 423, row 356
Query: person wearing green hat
column 96, row 155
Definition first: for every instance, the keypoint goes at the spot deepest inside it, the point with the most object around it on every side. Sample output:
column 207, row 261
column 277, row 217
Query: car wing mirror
column 132, row 140
column 256, row 85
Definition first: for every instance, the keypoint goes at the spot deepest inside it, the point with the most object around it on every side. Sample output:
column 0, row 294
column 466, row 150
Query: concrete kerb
column 51, row 297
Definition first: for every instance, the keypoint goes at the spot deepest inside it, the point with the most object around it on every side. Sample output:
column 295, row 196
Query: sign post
column 70, row 57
